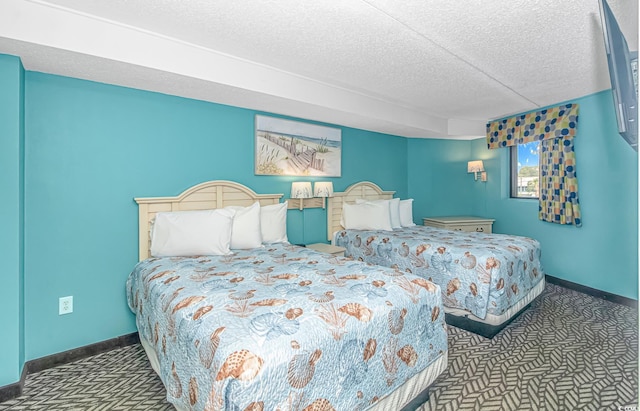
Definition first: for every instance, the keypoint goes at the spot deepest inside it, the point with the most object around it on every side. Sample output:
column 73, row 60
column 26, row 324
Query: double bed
column 486, row 279
column 280, row 326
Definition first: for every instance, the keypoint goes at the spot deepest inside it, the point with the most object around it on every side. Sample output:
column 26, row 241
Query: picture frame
column 295, row 148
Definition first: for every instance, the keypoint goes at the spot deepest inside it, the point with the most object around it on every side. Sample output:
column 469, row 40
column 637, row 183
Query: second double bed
column 486, row 279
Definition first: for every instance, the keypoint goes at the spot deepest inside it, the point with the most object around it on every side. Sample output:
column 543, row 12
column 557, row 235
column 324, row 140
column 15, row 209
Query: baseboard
column 614, row 298
column 15, row 390
column 80, row 353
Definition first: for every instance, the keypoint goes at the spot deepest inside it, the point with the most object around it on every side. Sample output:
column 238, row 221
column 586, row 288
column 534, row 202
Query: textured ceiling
column 416, row 68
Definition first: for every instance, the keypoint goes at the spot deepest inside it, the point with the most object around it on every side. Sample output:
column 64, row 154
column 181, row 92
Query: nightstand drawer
column 479, row 228
column 461, row 223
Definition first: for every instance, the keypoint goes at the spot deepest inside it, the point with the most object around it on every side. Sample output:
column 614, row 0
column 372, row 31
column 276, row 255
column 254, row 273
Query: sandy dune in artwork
column 273, row 158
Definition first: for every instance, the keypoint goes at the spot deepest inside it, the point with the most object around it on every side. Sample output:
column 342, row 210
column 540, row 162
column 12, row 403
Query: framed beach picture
column 293, row 148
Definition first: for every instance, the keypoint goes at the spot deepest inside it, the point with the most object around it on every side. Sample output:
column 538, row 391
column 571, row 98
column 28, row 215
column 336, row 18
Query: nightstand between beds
column 328, row 249
column 460, row 223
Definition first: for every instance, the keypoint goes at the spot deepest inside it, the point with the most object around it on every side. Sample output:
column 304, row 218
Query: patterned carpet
column 569, row 351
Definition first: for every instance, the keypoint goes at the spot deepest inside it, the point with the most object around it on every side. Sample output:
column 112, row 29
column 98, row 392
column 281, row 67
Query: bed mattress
column 482, row 274
column 286, row 327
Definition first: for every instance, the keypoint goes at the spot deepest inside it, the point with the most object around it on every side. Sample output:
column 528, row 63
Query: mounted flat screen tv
column 621, row 71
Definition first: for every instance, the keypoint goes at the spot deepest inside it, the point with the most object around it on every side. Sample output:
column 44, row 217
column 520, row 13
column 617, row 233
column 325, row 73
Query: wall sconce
column 323, row 189
column 476, row 167
column 301, row 190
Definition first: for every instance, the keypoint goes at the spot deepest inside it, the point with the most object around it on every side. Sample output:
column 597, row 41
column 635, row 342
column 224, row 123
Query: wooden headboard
column 364, row 189
column 204, row 196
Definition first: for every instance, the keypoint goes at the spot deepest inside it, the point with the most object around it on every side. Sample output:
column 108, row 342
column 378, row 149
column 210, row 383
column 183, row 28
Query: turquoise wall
column 438, row 179
column 91, row 148
column 603, row 253
column 11, row 218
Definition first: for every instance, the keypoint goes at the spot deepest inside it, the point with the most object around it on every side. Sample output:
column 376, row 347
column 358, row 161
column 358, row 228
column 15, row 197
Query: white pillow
column 406, row 212
column 366, row 216
column 394, row 210
column 188, row 233
column 245, row 230
column 273, row 223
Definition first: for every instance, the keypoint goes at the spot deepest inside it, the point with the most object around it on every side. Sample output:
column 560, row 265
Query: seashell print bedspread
column 284, row 327
column 478, row 272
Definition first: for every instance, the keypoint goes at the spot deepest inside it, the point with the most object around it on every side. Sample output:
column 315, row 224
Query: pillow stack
column 218, row 232
column 377, row 214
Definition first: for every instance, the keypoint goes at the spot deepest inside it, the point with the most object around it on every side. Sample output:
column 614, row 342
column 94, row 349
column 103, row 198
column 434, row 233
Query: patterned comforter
column 478, row 272
column 284, row 328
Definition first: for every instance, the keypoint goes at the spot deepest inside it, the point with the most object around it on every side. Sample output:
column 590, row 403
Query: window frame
column 513, row 174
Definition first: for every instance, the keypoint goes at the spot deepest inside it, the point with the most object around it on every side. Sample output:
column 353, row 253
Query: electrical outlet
column 65, row 305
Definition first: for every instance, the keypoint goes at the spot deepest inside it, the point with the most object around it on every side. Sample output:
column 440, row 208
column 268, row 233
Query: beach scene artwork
column 293, row 148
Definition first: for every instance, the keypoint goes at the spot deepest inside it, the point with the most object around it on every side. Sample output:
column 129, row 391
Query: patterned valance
column 555, row 122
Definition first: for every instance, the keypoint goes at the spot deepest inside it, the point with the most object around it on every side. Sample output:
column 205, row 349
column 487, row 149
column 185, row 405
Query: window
column 525, row 170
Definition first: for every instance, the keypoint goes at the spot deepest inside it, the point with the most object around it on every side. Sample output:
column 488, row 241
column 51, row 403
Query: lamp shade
column 301, row 190
column 323, row 189
column 475, row 166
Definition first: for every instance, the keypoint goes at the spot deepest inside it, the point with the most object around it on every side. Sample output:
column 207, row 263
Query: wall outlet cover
column 65, row 305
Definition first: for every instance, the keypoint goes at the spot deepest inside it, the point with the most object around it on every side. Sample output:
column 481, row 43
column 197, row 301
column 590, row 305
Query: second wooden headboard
column 204, row 196
column 365, row 190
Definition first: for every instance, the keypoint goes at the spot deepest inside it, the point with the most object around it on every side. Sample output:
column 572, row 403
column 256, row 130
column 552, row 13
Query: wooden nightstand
column 328, row 249
column 461, row 223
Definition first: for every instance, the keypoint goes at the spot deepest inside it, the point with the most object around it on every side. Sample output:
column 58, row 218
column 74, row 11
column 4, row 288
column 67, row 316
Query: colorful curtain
column 555, row 122
column 558, row 182
column 555, row 129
